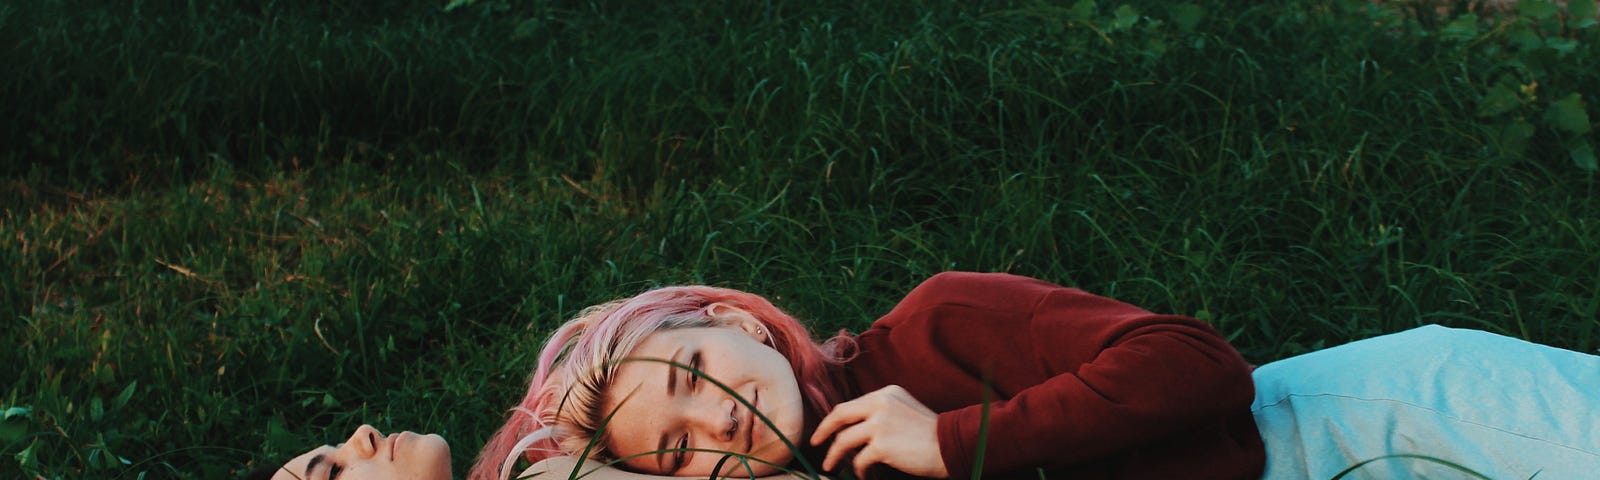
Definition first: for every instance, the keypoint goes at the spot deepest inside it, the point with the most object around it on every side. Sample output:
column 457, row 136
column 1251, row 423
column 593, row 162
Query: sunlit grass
column 236, row 231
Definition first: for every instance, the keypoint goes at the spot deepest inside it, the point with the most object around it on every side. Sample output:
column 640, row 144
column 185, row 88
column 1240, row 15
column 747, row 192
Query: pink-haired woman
column 988, row 375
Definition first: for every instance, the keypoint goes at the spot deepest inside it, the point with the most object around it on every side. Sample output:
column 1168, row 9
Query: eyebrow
column 672, row 372
column 312, row 465
column 672, row 388
column 661, row 455
column 316, row 460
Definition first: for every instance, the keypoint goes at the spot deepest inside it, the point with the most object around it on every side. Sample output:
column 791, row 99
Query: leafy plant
column 1529, row 67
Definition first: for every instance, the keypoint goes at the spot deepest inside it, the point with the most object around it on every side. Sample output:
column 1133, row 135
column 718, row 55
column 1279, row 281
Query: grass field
column 233, row 230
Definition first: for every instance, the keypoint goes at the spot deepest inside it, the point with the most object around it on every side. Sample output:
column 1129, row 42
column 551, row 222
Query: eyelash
column 678, row 463
column 694, row 377
column 334, row 470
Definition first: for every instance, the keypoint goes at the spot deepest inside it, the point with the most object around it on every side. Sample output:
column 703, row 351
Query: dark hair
column 263, row 473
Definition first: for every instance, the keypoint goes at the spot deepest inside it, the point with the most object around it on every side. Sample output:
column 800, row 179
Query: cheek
column 776, row 369
column 791, row 417
column 368, row 470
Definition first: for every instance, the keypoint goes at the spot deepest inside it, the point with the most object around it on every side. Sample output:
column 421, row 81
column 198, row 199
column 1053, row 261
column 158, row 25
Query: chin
column 758, row 469
column 432, row 455
column 777, row 454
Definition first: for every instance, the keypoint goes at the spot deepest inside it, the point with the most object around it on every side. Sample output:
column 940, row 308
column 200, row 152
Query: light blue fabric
column 1506, row 408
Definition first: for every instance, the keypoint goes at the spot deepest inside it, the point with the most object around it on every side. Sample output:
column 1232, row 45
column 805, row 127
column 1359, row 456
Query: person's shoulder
column 978, row 285
column 996, row 292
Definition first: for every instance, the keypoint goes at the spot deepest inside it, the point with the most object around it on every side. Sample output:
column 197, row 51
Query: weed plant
column 233, row 230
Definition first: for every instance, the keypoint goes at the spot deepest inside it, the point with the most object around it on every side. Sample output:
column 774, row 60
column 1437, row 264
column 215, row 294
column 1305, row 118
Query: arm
column 1078, row 384
column 562, row 467
column 1119, row 379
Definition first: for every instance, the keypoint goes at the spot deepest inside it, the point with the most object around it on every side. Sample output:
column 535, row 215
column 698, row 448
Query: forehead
column 661, row 343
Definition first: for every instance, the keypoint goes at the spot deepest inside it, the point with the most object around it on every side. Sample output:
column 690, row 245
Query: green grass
column 234, row 230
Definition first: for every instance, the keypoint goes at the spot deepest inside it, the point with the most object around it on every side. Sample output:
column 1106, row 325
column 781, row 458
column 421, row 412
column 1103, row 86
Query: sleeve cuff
column 953, row 448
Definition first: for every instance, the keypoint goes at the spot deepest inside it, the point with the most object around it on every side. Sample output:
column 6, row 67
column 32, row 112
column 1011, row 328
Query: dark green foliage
column 236, row 229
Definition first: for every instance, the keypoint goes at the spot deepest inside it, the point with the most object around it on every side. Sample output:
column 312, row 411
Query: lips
column 750, row 434
column 394, row 443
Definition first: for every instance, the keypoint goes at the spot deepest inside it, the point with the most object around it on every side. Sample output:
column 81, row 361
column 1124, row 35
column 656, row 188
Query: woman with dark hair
column 367, row 455
column 996, row 375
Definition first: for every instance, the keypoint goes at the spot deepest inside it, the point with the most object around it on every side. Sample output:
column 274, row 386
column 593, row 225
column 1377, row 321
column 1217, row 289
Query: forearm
column 1140, row 390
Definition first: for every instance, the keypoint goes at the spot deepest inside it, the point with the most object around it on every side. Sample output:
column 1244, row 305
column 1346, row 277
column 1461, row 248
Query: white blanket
column 1503, row 407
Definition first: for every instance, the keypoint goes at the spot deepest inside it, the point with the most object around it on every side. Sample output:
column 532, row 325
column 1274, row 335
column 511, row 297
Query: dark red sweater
column 1081, row 386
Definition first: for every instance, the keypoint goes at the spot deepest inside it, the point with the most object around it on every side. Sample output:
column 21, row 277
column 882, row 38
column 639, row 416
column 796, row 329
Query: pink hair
column 562, row 409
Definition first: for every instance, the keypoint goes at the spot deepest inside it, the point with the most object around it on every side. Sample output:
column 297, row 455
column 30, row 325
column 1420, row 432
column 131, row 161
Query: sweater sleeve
column 1117, row 377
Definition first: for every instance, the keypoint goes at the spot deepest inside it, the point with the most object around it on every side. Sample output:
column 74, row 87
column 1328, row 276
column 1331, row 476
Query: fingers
column 865, row 459
column 858, row 410
column 848, row 440
column 887, row 426
column 855, row 439
column 844, row 414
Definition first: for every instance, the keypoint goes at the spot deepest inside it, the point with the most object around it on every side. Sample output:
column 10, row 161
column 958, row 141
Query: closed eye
column 334, row 469
column 679, row 457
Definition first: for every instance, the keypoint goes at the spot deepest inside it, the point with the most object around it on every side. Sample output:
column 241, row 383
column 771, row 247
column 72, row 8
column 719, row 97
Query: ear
column 739, row 318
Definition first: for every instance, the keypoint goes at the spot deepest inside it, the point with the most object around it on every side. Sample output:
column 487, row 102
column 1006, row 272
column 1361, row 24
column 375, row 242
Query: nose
column 364, row 441
column 715, row 417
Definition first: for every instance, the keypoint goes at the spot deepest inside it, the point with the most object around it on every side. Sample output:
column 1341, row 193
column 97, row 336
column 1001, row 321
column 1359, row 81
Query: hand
column 887, row 426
